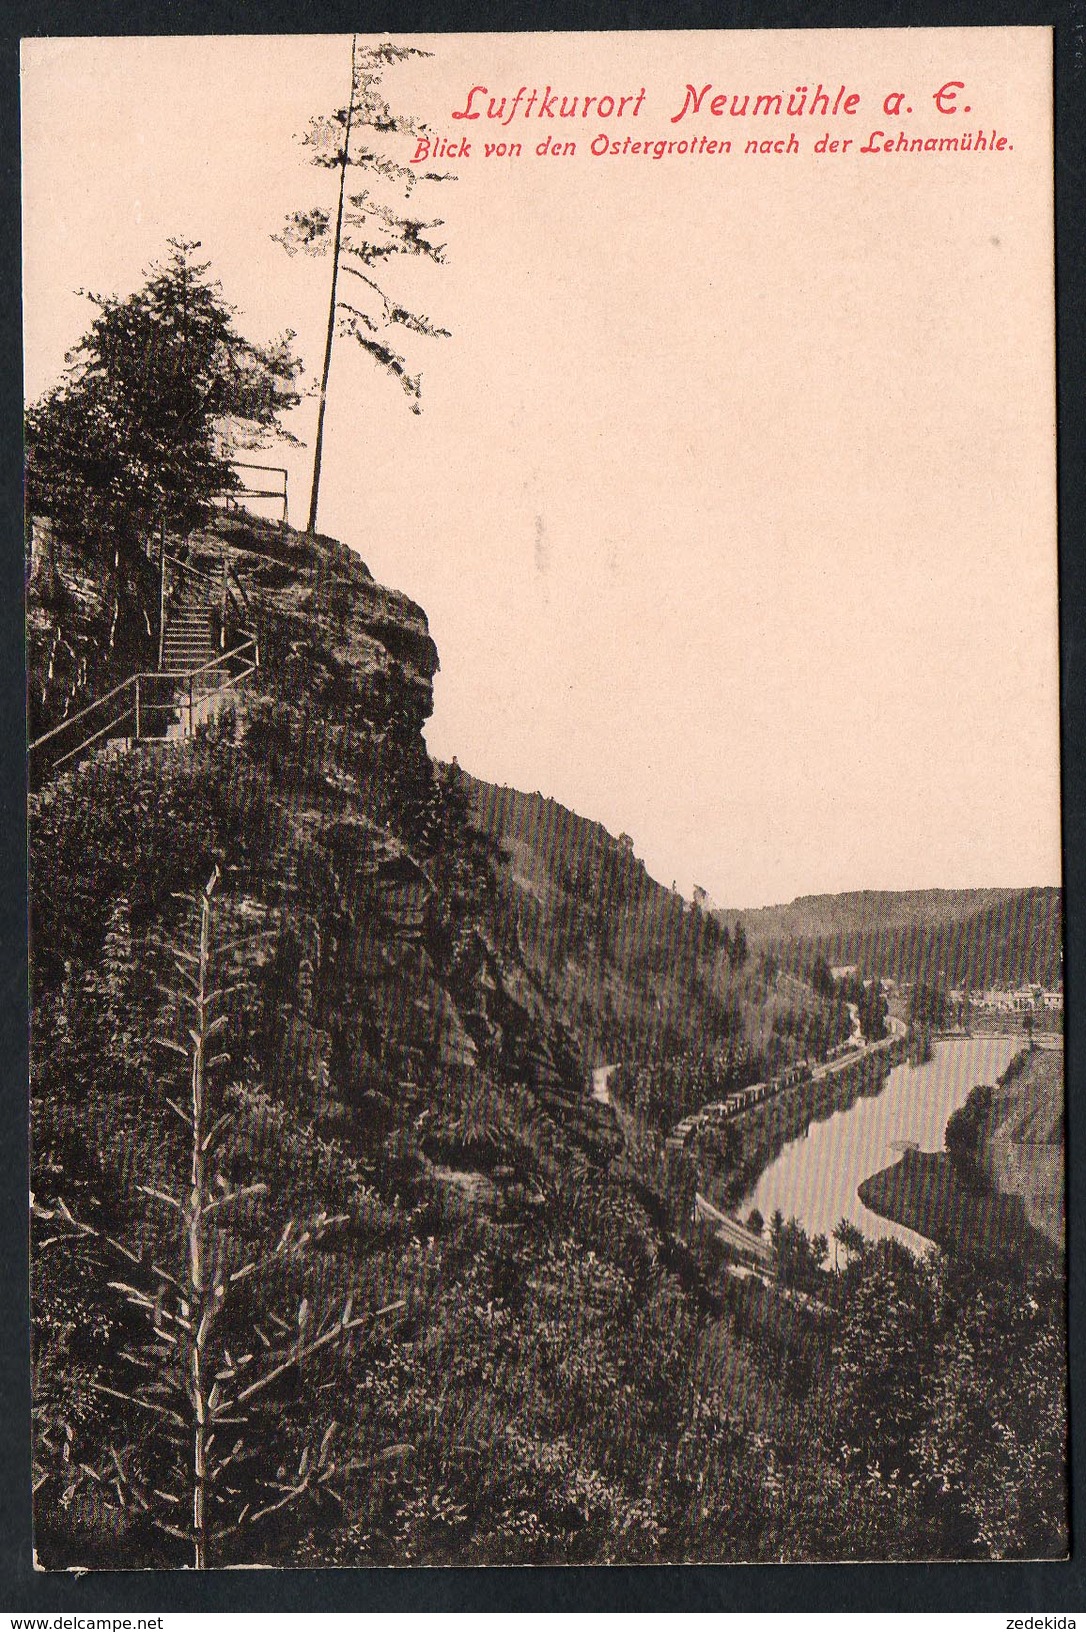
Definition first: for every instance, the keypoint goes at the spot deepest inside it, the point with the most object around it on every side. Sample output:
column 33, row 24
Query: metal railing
column 148, row 705
column 246, row 660
column 234, row 496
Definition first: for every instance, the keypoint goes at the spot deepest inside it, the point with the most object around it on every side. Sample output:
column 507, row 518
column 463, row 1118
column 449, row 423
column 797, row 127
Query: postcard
column 546, row 918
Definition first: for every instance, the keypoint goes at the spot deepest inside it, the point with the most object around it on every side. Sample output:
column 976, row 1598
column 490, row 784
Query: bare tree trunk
column 322, row 403
column 201, row 1312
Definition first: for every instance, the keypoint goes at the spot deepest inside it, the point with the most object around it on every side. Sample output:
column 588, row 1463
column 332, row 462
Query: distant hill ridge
column 883, row 906
column 978, row 938
column 996, row 936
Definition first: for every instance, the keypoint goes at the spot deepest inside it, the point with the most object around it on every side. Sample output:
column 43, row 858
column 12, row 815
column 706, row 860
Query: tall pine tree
column 365, row 231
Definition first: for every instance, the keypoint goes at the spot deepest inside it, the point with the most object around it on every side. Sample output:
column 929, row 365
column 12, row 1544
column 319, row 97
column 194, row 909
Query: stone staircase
column 190, row 638
column 192, row 642
column 201, row 659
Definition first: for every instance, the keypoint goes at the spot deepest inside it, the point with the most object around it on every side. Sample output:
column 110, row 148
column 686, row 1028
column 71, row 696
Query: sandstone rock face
column 91, row 621
column 397, row 995
column 317, row 607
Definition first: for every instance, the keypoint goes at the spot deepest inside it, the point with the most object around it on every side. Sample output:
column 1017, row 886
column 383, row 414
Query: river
column 814, row 1179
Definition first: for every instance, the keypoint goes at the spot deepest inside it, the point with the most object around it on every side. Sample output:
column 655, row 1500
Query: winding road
column 897, row 1030
column 729, row 1230
column 732, row 1233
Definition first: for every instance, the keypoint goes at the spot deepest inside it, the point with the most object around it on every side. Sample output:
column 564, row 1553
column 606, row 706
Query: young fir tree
column 196, row 1451
column 364, row 231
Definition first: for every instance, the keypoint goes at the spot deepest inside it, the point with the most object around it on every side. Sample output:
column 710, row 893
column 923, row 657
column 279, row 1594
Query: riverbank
column 1004, row 1197
column 816, row 1177
column 923, row 1192
column 739, row 1153
column 1022, row 1144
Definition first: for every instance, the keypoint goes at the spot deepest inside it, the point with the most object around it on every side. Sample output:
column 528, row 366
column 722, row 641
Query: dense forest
column 637, row 971
column 974, row 938
column 538, row 1365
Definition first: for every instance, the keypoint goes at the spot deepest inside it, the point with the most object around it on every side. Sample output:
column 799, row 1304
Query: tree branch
column 144, row 1405
column 305, row 1352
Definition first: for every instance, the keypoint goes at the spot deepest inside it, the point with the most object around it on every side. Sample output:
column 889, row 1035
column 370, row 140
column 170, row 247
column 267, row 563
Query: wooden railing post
column 191, row 726
column 137, row 708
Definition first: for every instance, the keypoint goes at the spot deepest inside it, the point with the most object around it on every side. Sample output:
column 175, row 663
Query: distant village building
column 1021, row 1000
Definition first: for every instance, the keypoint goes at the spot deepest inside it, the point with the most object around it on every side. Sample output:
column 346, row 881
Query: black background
column 784, row 1587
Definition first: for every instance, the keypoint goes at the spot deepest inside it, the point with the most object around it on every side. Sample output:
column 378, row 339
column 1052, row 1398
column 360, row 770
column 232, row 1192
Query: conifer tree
column 155, row 397
column 114, row 985
column 363, row 231
column 205, row 1467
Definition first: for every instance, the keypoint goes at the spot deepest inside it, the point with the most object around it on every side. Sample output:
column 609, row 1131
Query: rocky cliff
column 315, row 788
column 91, row 620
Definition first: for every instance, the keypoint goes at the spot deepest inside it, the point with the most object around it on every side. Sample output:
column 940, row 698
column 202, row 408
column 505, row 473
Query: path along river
column 814, row 1178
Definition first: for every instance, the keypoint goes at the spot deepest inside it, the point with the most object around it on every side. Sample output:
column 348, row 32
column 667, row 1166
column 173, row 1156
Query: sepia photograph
column 546, row 917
